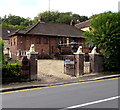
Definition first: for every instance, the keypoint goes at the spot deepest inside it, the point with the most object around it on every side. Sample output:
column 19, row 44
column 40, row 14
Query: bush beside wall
column 11, row 72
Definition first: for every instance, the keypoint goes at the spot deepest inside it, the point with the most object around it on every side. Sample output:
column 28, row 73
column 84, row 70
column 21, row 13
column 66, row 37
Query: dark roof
column 83, row 24
column 53, row 29
column 5, row 32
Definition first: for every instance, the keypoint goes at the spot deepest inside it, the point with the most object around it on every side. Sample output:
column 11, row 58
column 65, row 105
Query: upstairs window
column 14, row 41
column 38, row 40
column 11, row 42
column 45, row 40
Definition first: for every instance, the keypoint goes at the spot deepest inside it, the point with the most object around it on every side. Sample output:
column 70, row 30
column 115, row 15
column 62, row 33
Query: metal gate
column 86, row 67
column 70, row 66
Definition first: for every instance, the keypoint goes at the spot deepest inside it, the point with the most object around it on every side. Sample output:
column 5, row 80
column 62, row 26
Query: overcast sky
column 30, row 8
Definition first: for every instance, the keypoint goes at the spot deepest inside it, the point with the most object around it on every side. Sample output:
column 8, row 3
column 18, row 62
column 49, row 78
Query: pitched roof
column 83, row 24
column 5, row 32
column 53, row 29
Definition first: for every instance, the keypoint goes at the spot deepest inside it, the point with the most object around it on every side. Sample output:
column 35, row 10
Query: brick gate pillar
column 96, row 61
column 79, row 62
column 33, row 65
column 25, row 71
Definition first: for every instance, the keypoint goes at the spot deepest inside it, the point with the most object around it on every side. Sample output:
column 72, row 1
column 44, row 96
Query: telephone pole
column 119, row 6
column 49, row 6
column 49, row 9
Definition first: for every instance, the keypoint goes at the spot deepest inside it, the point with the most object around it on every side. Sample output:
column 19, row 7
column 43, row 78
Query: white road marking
column 90, row 103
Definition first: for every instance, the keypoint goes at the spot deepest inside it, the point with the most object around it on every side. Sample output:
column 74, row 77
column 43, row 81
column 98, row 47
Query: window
column 64, row 41
column 52, row 49
column 11, row 42
column 81, row 44
column 45, row 40
column 38, row 40
column 76, row 40
column 14, row 41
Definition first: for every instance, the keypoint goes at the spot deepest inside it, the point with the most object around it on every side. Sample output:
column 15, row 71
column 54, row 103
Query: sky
column 31, row 8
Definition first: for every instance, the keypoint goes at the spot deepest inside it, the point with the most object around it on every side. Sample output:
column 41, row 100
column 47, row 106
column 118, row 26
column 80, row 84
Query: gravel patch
column 52, row 70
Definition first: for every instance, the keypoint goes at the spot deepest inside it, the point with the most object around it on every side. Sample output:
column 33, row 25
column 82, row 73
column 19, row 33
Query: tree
column 27, row 22
column 65, row 18
column 1, row 52
column 60, row 17
column 80, row 18
column 105, row 34
column 17, row 22
column 48, row 16
column 0, row 20
column 13, row 20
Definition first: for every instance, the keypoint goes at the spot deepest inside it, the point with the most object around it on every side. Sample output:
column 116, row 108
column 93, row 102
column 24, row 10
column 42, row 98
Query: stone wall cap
column 33, row 53
column 94, row 53
column 78, row 53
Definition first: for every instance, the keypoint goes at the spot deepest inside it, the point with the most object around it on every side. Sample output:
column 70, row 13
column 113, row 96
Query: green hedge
column 12, row 73
column 11, row 70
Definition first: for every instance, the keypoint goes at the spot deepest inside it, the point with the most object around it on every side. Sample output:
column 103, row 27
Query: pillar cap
column 79, row 51
column 94, row 51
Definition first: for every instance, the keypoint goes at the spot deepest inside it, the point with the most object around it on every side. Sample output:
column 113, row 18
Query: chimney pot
column 72, row 23
column 41, row 20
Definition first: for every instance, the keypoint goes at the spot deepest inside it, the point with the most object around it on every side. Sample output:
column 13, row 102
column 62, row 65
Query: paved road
column 100, row 94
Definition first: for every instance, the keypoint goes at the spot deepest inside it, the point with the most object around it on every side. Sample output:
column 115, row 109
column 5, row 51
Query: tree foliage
column 1, row 52
column 105, row 34
column 17, row 22
column 13, row 20
column 60, row 17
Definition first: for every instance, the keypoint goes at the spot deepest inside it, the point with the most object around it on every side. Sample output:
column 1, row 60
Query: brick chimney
column 72, row 23
column 41, row 20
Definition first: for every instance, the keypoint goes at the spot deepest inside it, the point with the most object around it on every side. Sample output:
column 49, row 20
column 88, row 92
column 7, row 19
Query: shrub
column 11, row 70
column 105, row 34
column 1, row 52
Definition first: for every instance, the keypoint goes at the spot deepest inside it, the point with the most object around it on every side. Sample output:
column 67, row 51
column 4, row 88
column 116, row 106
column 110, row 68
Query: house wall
column 53, row 46
column 13, row 46
column 6, row 46
column 46, row 46
column 43, row 46
column 85, row 29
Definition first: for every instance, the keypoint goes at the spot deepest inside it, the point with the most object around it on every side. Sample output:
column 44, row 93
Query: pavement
column 35, row 84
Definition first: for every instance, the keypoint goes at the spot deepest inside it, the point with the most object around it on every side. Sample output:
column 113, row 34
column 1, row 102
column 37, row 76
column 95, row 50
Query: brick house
column 84, row 26
column 4, row 34
column 49, row 39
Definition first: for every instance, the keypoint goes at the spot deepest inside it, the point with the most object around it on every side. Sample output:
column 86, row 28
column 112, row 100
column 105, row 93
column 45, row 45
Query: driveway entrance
column 52, row 70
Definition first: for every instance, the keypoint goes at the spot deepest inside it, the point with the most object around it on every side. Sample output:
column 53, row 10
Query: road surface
column 96, row 94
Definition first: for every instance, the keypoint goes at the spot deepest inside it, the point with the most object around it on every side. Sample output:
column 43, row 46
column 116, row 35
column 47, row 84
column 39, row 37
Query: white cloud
column 30, row 8
column 85, row 7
